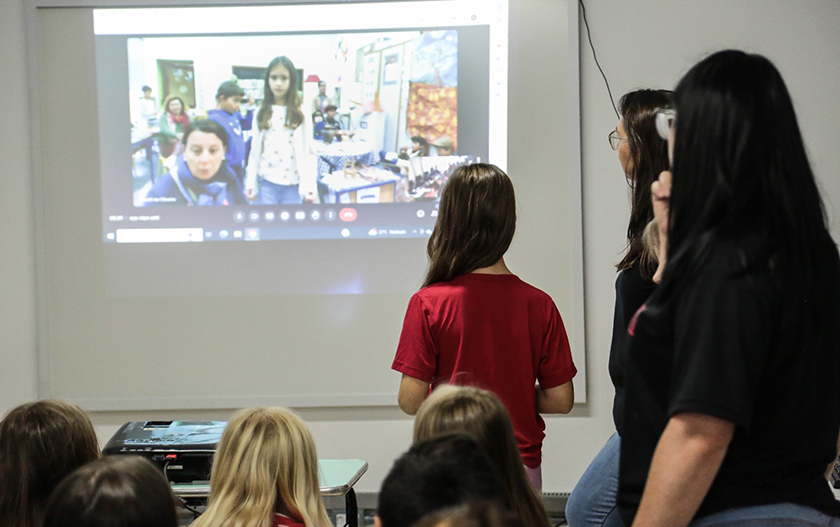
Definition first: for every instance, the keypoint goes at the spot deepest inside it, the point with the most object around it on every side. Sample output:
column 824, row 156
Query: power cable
column 589, row 36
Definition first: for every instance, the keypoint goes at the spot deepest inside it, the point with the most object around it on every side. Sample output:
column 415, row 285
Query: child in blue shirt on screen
column 228, row 98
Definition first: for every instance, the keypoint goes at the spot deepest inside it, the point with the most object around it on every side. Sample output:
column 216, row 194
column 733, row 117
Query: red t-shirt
column 281, row 520
column 494, row 332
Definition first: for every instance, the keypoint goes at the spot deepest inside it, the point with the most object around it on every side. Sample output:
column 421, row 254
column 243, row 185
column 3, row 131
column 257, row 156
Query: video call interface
column 392, row 102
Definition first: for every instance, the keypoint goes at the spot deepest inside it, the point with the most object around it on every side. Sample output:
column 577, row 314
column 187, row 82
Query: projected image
column 293, row 122
column 279, row 120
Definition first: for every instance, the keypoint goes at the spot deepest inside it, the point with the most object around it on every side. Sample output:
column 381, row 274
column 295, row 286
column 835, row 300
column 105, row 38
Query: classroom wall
column 18, row 381
column 641, row 43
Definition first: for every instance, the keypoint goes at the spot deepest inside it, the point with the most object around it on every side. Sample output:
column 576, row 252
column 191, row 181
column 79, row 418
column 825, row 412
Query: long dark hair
column 40, row 443
column 114, row 491
column 740, row 167
column 649, row 157
column 294, row 115
column 475, row 225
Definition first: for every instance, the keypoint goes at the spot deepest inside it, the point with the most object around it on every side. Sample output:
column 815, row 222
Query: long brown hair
column 480, row 414
column 475, row 225
column 292, row 101
column 649, row 156
column 40, row 443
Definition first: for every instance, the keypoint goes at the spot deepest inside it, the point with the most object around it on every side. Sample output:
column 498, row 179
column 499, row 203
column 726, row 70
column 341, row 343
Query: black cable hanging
column 589, row 36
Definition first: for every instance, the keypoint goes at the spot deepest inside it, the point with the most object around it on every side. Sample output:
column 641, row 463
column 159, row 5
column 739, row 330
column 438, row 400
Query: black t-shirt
column 731, row 344
column 631, row 290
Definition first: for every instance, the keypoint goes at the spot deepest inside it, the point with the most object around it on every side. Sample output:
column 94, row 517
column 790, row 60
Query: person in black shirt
column 643, row 155
column 732, row 411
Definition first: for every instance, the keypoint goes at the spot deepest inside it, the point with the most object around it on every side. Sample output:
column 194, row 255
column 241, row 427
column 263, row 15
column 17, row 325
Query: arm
column 246, row 120
column 685, row 463
column 253, row 160
column 557, row 400
column 412, row 394
column 306, row 162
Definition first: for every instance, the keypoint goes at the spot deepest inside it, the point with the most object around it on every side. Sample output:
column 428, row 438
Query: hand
column 251, row 193
column 310, row 197
column 660, row 195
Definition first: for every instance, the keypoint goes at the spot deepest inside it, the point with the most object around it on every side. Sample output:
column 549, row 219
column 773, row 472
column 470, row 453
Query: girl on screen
column 40, row 443
column 265, row 473
column 279, row 169
column 475, row 322
column 468, row 410
column 200, row 175
column 643, row 155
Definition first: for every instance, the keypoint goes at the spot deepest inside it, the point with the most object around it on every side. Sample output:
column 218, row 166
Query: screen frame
column 571, row 167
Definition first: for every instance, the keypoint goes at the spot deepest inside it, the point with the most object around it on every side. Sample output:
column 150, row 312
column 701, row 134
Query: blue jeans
column 273, row 194
column 592, row 501
column 775, row 515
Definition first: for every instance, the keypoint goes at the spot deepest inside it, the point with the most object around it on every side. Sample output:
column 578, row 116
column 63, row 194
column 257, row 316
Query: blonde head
column 266, row 463
column 480, row 414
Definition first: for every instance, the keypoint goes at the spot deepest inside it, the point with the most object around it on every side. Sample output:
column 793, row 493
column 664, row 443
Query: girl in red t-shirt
column 474, row 322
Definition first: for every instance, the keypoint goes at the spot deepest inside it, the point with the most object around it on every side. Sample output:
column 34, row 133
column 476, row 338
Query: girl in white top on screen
column 279, row 168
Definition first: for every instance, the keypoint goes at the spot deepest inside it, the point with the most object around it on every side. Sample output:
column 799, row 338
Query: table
column 336, row 478
column 333, row 156
column 380, row 184
column 147, row 141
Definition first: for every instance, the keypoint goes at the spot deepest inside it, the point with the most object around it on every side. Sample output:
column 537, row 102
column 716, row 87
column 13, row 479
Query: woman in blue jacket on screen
column 200, row 175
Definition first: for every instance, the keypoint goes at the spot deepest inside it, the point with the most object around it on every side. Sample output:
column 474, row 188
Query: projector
column 183, row 450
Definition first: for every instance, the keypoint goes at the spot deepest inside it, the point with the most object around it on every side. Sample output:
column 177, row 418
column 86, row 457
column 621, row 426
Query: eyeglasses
column 615, row 139
column 664, row 118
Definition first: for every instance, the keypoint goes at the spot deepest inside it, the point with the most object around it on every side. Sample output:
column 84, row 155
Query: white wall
column 18, row 381
column 641, row 43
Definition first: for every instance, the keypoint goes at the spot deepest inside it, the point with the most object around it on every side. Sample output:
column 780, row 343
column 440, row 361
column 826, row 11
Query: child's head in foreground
column 114, row 491
column 480, row 414
column 40, row 443
column 436, row 474
column 265, row 464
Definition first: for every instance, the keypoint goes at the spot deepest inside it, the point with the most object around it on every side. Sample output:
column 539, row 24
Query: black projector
column 183, row 450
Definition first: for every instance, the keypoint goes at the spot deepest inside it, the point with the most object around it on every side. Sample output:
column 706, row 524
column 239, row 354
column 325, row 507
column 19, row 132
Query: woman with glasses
column 732, row 409
column 643, row 155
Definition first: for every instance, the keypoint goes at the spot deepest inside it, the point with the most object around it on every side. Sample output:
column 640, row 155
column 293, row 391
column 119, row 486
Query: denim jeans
column 775, row 515
column 273, row 194
column 592, row 501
